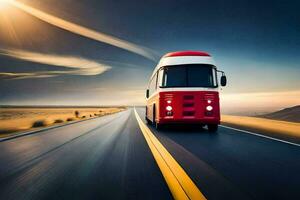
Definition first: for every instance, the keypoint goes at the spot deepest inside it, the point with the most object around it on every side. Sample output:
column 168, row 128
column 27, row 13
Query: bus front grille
column 188, row 97
column 188, row 113
column 188, row 106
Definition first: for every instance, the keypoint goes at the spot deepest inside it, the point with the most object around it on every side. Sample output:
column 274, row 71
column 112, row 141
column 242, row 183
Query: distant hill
column 288, row 114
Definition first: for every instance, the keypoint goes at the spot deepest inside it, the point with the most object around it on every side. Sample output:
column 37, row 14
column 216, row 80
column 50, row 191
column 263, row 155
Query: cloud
column 77, row 65
column 83, row 31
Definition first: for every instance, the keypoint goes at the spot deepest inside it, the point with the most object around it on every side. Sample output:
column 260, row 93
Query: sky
column 102, row 52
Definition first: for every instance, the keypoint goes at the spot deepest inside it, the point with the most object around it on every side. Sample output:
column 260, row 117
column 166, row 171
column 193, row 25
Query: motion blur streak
column 80, row 30
column 79, row 66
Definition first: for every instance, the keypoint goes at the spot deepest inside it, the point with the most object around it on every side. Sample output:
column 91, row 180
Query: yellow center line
column 179, row 183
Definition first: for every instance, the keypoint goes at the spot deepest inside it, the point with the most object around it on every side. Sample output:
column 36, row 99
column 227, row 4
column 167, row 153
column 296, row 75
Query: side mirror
column 223, row 80
column 147, row 93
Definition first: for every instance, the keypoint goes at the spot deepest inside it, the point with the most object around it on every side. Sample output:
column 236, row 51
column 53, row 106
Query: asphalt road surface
column 109, row 158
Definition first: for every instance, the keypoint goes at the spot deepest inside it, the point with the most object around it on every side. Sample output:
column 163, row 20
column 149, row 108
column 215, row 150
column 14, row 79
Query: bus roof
column 184, row 57
column 186, row 53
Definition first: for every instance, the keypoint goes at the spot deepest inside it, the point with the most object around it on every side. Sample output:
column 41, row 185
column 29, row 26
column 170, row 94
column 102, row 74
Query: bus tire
column 153, row 116
column 157, row 126
column 146, row 118
column 212, row 128
column 148, row 121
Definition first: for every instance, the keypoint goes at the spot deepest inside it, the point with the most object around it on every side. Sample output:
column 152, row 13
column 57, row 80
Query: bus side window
column 215, row 78
column 160, row 77
column 152, row 87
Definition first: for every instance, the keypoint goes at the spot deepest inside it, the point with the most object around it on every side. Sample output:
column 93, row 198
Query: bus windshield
column 189, row 75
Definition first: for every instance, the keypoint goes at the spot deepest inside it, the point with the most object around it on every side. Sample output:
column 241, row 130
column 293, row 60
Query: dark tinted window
column 192, row 75
column 200, row 76
column 174, row 76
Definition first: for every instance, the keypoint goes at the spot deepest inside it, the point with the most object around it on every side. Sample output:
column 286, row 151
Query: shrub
column 58, row 121
column 6, row 131
column 39, row 123
column 70, row 119
column 77, row 113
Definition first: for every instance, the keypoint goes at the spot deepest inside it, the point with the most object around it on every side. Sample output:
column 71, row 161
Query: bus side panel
column 152, row 102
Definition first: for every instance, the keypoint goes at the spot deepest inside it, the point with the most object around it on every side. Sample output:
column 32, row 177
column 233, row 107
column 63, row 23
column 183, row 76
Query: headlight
column 209, row 108
column 169, row 101
column 169, row 108
column 208, row 101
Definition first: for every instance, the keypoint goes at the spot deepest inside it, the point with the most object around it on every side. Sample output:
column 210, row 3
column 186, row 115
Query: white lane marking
column 264, row 136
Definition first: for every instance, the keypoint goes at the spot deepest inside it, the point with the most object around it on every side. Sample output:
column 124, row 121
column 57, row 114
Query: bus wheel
column 158, row 126
column 212, row 128
column 153, row 116
column 147, row 120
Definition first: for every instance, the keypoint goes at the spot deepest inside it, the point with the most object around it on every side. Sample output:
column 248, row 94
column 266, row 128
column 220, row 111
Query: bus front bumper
column 187, row 120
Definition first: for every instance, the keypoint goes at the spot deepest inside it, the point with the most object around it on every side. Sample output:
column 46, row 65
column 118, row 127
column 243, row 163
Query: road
column 109, row 158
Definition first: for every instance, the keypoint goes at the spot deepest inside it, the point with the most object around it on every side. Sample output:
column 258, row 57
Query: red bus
column 184, row 89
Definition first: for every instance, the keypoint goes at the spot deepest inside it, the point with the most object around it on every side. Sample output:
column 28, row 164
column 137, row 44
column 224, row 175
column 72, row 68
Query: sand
column 280, row 129
column 20, row 119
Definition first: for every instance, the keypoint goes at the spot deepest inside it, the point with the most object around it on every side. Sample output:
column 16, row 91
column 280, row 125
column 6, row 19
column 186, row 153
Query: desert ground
column 280, row 129
column 14, row 120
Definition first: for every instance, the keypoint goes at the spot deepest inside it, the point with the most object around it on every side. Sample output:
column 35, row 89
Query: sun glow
column 5, row 3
